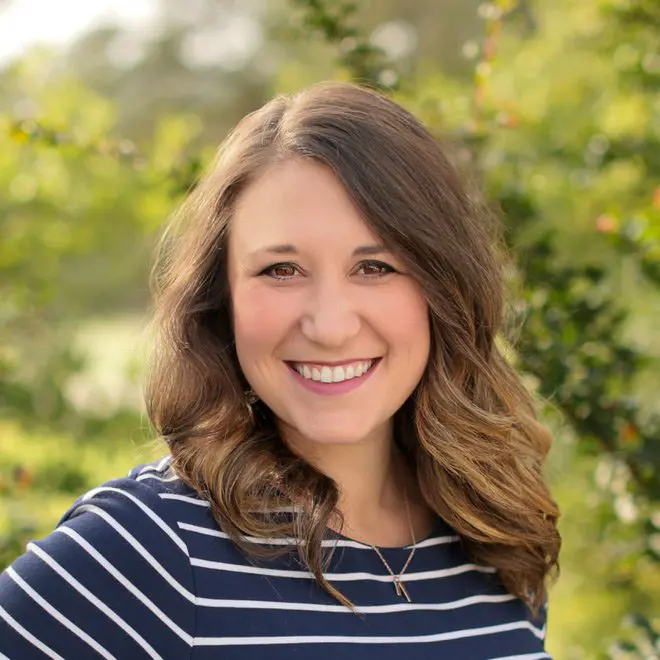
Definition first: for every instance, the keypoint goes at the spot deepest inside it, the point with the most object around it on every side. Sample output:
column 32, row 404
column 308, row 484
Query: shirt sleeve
column 113, row 580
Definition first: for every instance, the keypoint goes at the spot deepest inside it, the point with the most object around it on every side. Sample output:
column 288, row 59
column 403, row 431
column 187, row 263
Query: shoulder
column 148, row 486
column 137, row 506
column 121, row 525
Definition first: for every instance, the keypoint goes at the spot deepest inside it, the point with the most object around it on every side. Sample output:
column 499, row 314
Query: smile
column 332, row 374
column 333, row 378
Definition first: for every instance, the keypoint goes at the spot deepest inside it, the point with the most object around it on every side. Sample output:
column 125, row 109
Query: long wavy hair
column 469, row 430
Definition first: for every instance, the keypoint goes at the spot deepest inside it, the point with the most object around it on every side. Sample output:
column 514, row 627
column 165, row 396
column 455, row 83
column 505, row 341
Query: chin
column 328, row 431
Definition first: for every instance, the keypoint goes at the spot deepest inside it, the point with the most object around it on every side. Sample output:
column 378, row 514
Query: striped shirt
column 138, row 568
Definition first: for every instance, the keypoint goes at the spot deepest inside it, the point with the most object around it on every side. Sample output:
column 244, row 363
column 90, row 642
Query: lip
column 337, row 363
column 329, row 389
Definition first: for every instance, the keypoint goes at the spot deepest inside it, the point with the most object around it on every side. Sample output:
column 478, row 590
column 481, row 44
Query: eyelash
column 268, row 272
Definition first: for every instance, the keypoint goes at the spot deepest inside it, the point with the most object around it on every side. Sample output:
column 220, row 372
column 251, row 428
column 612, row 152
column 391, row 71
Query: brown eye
column 280, row 271
column 374, row 269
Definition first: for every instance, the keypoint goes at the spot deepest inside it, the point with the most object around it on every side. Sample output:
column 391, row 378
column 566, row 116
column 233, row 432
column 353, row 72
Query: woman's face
column 331, row 333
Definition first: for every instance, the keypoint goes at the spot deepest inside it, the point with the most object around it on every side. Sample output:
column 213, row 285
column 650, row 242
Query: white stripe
column 342, row 543
column 157, row 519
column 345, row 639
column 46, row 650
column 258, row 540
column 338, row 577
column 164, row 462
column 525, row 656
column 223, row 535
column 158, row 567
column 156, row 468
column 55, row 614
column 126, row 583
column 142, row 477
column 330, row 543
column 183, row 498
column 436, row 540
column 97, row 602
column 340, row 609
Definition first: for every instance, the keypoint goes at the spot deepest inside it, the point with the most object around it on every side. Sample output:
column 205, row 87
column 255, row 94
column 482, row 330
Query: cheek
column 261, row 319
column 403, row 319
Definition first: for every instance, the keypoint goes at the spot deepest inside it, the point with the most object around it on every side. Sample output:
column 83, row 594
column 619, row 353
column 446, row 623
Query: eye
column 283, row 271
column 374, row 269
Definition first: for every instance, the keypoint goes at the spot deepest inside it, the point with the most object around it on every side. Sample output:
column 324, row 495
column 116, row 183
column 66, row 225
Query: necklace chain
column 399, row 586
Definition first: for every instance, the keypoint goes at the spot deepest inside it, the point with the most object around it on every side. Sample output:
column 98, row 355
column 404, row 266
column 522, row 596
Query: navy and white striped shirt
column 138, row 568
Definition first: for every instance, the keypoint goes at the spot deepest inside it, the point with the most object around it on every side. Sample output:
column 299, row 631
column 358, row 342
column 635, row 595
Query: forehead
column 300, row 202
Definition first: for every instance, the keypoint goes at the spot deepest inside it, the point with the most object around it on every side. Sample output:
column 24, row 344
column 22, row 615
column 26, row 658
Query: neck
column 373, row 479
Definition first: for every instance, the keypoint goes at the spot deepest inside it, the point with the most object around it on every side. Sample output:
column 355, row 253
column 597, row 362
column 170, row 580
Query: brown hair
column 469, row 429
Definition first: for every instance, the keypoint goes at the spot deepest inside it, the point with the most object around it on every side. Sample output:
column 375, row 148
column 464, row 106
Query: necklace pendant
column 402, row 591
column 397, row 586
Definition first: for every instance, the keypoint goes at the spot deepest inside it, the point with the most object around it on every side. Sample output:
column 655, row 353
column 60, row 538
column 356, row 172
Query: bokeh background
column 108, row 111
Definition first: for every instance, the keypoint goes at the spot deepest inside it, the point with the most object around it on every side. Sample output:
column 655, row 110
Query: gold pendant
column 401, row 589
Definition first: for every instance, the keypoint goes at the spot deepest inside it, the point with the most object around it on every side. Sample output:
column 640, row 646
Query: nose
column 331, row 318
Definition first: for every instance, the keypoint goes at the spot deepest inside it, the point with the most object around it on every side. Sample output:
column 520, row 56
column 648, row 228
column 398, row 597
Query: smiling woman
column 326, row 377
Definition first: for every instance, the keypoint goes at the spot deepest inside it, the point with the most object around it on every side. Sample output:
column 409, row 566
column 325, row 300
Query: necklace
column 396, row 578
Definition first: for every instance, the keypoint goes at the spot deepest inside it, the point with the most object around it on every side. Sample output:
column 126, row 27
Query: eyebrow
column 288, row 248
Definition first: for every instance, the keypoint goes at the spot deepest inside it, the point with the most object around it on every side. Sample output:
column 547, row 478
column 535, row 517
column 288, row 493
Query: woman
column 354, row 470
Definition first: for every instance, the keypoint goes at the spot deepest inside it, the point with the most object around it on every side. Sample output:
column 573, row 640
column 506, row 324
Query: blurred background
column 110, row 108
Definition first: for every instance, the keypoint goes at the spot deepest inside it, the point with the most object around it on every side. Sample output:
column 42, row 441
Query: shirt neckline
column 438, row 528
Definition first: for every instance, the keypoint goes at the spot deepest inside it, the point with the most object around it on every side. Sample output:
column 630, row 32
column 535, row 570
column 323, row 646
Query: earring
column 250, row 399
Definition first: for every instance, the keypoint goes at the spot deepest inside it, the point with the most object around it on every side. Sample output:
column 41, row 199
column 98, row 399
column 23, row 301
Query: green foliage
column 333, row 21
column 42, row 473
column 80, row 208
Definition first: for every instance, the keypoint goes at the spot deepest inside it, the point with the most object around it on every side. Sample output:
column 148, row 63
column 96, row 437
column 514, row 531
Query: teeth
column 338, row 374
